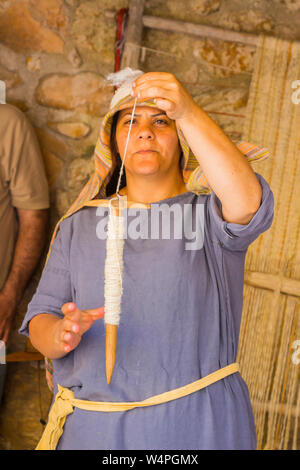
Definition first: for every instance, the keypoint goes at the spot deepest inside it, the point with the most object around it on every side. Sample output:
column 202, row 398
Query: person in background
column 24, row 211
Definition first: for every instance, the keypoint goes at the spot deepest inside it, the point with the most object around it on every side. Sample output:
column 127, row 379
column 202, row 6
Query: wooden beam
column 281, row 408
column 273, row 282
column 24, row 356
column 199, row 30
column 133, row 35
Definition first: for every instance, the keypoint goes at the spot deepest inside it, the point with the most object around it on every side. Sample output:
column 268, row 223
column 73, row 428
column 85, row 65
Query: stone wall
column 54, row 56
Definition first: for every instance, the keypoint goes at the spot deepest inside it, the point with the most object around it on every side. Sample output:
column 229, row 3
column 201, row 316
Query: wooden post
column 133, row 35
column 201, row 30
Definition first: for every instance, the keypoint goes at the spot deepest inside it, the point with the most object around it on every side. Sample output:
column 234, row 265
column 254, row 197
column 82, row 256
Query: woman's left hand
column 168, row 92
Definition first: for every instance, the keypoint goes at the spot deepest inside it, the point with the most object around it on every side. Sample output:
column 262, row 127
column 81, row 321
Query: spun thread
column 113, row 283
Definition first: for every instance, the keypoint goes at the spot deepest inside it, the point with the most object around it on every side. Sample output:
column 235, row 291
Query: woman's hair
column 112, row 185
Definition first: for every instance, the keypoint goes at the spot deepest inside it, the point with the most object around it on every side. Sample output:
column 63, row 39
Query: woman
column 182, row 300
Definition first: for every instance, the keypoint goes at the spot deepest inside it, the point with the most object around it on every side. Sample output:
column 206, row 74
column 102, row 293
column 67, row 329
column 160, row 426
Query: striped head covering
column 104, row 161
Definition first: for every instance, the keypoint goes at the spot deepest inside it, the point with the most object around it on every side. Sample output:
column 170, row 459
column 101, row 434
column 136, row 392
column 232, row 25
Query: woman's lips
column 145, row 151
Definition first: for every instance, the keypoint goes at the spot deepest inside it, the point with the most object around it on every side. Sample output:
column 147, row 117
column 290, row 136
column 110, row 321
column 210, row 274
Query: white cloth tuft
column 123, row 80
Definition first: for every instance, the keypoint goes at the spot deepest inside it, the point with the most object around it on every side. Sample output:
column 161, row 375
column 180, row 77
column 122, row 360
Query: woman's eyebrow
column 152, row 115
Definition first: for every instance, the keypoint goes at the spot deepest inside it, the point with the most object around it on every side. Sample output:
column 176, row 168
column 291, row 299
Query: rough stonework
column 54, row 56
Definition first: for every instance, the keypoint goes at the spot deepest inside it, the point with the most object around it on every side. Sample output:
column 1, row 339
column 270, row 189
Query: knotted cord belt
column 65, row 401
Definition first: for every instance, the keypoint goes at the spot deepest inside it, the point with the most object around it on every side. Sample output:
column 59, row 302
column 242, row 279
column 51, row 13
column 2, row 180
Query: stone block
column 21, row 32
column 50, row 13
column 51, row 143
column 293, row 5
column 196, row 7
column 53, row 166
column 33, row 63
column 86, row 92
column 74, row 130
column 12, row 79
column 79, row 172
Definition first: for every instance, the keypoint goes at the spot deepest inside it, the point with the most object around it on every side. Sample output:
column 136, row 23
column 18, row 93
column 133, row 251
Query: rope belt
column 65, row 401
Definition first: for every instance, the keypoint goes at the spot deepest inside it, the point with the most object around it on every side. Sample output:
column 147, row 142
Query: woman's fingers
column 165, row 105
column 70, row 328
column 68, row 308
column 159, row 83
column 73, row 313
column 67, row 346
column 154, row 90
column 95, row 312
column 167, row 100
column 169, row 94
column 71, row 307
column 75, row 323
column 71, row 325
column 165, row 84
column 149, row 76
column 69, row 341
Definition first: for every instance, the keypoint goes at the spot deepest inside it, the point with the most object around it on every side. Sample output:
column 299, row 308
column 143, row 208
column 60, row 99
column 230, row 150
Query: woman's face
column 153, row 146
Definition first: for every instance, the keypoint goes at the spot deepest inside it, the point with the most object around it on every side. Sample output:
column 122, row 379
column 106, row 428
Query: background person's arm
column 31, row 239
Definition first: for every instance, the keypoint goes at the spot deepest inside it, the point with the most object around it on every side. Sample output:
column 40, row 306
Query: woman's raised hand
column 169, row 94
column 74, row 324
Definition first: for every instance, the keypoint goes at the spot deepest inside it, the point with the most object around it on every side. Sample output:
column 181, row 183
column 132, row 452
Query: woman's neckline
column 178, row 196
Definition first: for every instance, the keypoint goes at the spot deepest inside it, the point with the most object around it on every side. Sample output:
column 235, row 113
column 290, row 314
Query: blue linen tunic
column 180, row 320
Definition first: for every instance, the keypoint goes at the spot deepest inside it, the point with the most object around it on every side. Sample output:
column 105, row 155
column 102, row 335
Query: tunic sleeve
column 54, row 288
column 237, row 237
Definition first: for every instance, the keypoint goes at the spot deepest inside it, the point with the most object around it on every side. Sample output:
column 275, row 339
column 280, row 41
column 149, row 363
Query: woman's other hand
column 169, row 94
column 74, row 324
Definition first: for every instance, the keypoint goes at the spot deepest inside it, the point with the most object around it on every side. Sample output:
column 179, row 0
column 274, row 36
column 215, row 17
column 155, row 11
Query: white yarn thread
column 113, row 284
column 126, row 145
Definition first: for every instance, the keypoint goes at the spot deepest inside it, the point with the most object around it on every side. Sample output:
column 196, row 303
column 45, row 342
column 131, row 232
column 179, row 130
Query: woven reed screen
column 269, row 347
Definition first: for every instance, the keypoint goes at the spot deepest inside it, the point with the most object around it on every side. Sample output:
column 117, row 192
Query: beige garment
column 23, row 182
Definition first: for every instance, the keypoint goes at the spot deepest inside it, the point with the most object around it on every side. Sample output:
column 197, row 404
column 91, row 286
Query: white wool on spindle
column 113, row 269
